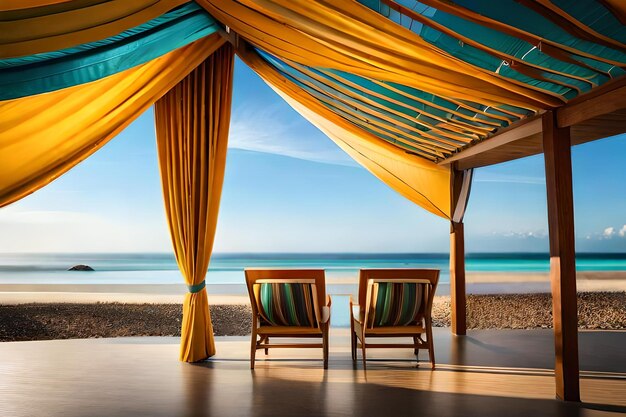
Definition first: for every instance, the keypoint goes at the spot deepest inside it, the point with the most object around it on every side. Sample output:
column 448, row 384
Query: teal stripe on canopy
column 512, row 57
column 427, row 103
column 419, row 122
column 410, row 101
column 338, row 106
column 50, row 71
column 516, row 15
column 594, row 14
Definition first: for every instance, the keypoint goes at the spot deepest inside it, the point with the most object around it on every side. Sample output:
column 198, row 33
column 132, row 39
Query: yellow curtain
column 43, row 136
column 192, row 122
column 348, row 36
column 423, row 182
column 58, row 25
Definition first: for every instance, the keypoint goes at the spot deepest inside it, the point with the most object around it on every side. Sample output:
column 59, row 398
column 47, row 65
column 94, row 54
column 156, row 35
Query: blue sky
column 289, row 188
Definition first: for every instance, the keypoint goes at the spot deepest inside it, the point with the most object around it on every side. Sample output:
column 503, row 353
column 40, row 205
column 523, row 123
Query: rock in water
column 81, row 268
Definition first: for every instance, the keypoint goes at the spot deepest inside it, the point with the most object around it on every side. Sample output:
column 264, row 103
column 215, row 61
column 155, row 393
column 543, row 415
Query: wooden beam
column 557, row 153
column 579, row 112
column 517, row 141
column 599, row 127
column 520, row 130
column 458, row 304
column 230, row 35
column 607, row 87
column 458, row 307
column 598, row 114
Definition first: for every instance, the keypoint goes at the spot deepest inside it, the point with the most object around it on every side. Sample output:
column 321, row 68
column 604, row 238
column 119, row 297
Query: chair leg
column 416, row 351
column 325, row 345
column 253, row 349
column 431, row 346
column 363, row 351
column 353, row 345
column 267, row 340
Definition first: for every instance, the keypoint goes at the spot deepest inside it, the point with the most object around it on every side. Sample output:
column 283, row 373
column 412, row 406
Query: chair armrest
column 353, row 305
column 355, row 311
column 325, row 314
column 325, row 310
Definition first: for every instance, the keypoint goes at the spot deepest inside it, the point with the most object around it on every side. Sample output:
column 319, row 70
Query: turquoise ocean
column 150, row 268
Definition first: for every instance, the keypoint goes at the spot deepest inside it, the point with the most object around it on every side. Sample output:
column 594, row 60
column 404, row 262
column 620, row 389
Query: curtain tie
column 197, row 287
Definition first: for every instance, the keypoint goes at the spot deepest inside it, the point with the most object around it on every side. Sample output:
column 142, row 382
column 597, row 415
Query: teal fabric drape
column 509, row 56
column 426, row 130
column 516, row 15
column 51, row 71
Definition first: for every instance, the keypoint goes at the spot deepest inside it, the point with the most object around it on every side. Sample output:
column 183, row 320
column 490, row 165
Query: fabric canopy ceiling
column 367, row 62
column 425, row 77
column 50, row 71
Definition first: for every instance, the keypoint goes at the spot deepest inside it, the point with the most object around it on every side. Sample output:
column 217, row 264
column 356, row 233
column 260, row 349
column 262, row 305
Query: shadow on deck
column 487, row 373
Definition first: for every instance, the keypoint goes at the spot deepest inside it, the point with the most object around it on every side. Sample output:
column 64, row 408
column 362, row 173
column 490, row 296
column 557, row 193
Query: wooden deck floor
column 488, row 373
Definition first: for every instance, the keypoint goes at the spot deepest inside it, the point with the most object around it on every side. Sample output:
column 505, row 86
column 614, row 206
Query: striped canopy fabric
column 557, row 49
column 424, row 125
column 427, row 78
column 286, row 304
column 55, row 70
column 397, row 304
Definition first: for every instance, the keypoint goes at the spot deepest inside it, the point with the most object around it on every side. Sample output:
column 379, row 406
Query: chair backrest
column 287, row 297
column 397, row 297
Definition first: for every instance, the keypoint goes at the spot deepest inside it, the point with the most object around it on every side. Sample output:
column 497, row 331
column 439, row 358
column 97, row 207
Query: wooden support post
column 457, row 254
column 457, row 279
column 557, row 154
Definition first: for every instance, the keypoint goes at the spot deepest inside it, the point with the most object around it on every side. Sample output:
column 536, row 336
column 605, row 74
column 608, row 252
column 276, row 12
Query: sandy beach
column 495, row 300
column 229, row 294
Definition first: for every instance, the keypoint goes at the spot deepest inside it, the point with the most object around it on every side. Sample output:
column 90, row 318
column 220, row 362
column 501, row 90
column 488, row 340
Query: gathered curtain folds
column 419, row 180
column 43, row 136
column 192, row 122
column 350, row 37
column 60, row 25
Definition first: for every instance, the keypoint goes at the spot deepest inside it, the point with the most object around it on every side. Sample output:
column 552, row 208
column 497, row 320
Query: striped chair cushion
column 397, row 304
column 283, row 304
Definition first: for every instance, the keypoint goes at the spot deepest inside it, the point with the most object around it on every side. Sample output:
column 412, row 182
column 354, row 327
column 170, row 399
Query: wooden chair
column 394, row 303
column 288, row 303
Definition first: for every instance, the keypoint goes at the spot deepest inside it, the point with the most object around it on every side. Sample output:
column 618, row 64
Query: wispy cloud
column 268, row 129
column 523, row 234
column 608, row 232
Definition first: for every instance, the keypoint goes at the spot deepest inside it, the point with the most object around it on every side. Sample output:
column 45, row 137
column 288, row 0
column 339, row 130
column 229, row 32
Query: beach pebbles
column 79, row 321
column 597, row 310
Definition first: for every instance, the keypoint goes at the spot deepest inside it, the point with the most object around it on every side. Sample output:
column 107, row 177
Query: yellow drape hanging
column 192, row 122
column 422, row 182
column 59, row 25
column 348, row 36
column 43, row 136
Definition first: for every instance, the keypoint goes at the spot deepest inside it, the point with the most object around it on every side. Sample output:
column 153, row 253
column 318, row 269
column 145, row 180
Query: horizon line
column 308, row 253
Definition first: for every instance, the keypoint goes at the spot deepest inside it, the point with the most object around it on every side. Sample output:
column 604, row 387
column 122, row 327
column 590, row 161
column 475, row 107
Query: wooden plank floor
column 487, row 373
